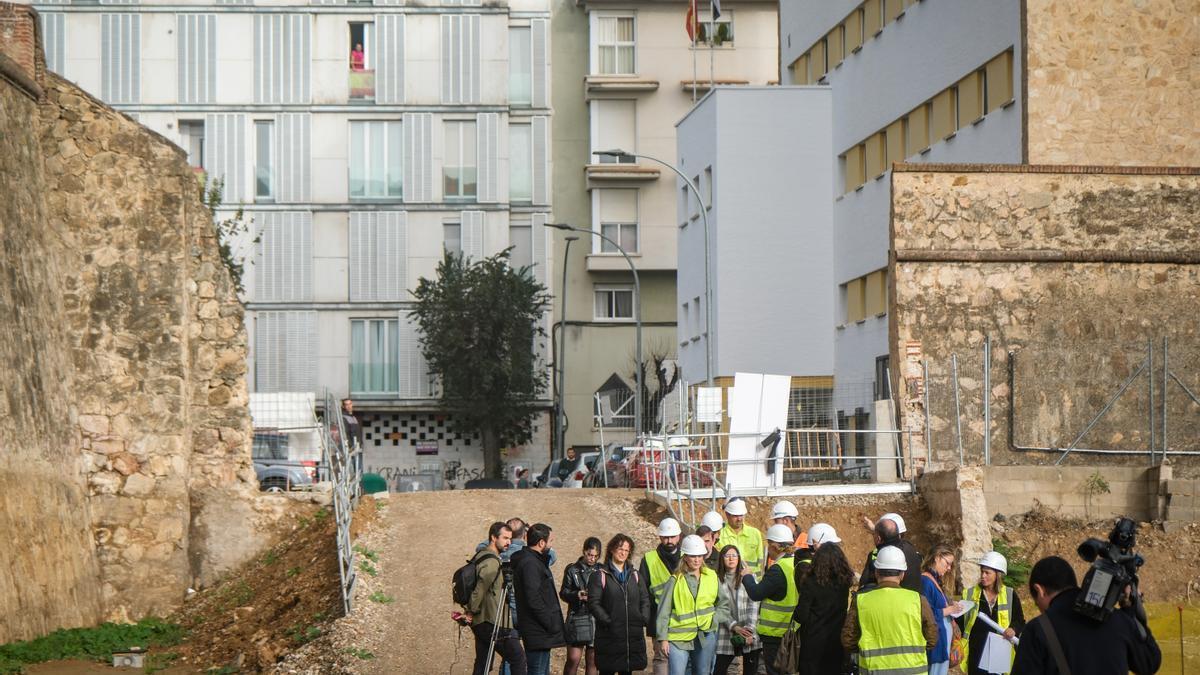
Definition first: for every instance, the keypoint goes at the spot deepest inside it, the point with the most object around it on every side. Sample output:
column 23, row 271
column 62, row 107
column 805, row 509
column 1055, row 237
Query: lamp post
column 561, row 436
column 618, row 153
column 637, row 317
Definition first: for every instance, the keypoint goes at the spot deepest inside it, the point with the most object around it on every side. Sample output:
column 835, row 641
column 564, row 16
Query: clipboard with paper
column 997, row 650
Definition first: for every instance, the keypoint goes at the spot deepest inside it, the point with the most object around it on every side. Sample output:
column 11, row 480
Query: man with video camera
column 1066, row 640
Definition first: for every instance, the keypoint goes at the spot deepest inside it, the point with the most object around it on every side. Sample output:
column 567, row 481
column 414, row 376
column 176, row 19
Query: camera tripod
column 503, row 611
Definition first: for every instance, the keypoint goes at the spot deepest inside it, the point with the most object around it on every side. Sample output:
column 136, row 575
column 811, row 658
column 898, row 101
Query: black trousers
column 769, row 651
column 508, row 647
column 749, row 662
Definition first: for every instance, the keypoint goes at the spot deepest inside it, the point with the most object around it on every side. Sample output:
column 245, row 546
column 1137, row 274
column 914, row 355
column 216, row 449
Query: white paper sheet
column 996, row 656
column 995, row 626
column 964, row 606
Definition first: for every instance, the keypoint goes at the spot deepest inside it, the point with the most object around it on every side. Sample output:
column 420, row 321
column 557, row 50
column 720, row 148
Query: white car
column 584, row 463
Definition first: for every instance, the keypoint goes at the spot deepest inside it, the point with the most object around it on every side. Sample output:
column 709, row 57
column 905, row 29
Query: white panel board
column 757, row 406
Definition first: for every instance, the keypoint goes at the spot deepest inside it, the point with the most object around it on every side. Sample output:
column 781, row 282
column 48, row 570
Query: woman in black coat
column 581, row 627
column 621, row 607
column 821, row 611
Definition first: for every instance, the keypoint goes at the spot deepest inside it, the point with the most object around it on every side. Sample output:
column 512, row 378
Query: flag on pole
column 692, row 21
column 716, row 9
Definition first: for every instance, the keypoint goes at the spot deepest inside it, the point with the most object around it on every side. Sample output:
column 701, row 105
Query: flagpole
column 712, row 43
column 695, row 23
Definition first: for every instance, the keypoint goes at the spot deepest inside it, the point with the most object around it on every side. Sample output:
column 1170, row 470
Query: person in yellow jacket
column 747, row 538
column 689, row 613
column 776, row 593
column 999, row 602
column 891, row 628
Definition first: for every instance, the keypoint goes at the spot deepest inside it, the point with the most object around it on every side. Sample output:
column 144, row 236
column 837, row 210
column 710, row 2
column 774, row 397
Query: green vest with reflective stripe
column 690, row 614
column 892, row 642
column 749, row 543
column 774, row 616
column 658, row 574
column 1003, row 613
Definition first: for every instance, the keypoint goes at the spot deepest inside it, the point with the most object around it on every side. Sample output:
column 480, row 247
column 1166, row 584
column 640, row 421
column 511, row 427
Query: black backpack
column 466, row 577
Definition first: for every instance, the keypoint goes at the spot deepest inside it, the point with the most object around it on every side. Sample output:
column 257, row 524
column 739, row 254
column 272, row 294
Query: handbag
column 787, row 661
column 580, row 628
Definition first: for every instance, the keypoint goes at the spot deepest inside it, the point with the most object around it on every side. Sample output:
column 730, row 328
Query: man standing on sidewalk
column 488, row 609
column 541, row 620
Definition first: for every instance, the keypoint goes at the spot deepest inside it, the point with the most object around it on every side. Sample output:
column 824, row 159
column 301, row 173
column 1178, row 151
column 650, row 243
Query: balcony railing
column 362, row 84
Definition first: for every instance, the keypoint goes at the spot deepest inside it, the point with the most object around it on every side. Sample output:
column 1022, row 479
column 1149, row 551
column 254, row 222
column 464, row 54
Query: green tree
column 479, row 320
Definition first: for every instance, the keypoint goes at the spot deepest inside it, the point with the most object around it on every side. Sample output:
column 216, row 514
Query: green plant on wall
column 229, row 232
column 1090, row 487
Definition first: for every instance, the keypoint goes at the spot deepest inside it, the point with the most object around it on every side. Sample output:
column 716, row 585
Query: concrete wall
column 1182, row 500
column 1113, row 83
column 1012, row 490
column 1073, row 270
column 770, row 231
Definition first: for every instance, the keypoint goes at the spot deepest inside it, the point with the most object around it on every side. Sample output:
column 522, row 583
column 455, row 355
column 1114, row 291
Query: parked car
column 549, row 477
column 277, row 473
column 616, row 466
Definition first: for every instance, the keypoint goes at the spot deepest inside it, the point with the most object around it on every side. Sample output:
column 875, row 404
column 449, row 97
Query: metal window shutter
column 196, row 57
column 292, row 159
column 448, row 62
column 539, row 34
column 414, row 375
column 389, row 64
column 265, row 331
column 539, row 247
column 472, row 234
column 120, row 58
column 285, row 351
column 487, row 136
column 471, row 62
column 225, row 153
column 418, row 157
column 53, row 39
column 541, row 159
column 282, row 56
column 283, row 270
column 392, row 256
column 362, row 236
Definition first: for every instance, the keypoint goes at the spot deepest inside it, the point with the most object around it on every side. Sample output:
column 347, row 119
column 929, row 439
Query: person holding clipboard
column 994, row 602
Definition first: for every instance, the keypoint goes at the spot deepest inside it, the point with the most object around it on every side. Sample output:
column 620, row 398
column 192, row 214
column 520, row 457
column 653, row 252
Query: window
column 834, row 42
column 968, row 99
column 520, row 66
column 121, row 58
column 854, row 31
column 872, row 17
column 894, row 148
column 685, row 322
column 891, row 10
column 883, row 387
column 375, row 159
column 718, row 33
column 697, row 318
column 520, row 238
column 618, row 219
column 876, row 293
column 614, row 303
column 916, row 137
column 855, row 300
column 361, row 60
column 374, row 354
column 998, row 81
column 706, row 188
column 874, row 155
column 799, row 69
column 520, row 163
column 854, row 169
column 191, row 139
column 264, row 177
column 460, row 166
column 616, row 395
column 818, row 64
column 942, row 116
column 614, row 126
column 452, row 237
column 615, row 40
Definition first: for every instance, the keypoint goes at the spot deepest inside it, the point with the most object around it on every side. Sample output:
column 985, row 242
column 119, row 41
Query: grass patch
column 292, row 571
column 360, row 654
column 1018, row 564
column 97, row 643
column 380, row 597
column 367, row 567
column 366, row 553
column 270, row 558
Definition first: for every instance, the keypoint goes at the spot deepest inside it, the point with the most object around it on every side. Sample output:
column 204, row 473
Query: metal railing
column 343, row 456
column 693, row 473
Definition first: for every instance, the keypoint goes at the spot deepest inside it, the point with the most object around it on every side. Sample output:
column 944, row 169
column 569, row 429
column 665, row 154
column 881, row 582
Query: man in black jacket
column 539, row 616
column 1118, row 645
column 887, row 533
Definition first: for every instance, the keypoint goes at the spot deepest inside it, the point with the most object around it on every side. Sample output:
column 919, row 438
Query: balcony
column 362, row 85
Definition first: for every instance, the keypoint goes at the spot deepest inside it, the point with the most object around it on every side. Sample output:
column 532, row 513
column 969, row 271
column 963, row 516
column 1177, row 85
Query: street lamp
column 618, row 154
column 562, row 354
column 637, row 316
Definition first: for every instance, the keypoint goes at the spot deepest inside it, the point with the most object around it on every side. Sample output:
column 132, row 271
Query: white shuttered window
column 376, row 159
column 378, row 256
column 541, row 62
column 54, row 34
column 488, row 126
column 292, row 160
column 415, row 381
column 197, row 57
column 285, row 351
column 541, row 159
column 282, row 52
column 374, row 352
column 225, row 154
column 460, row 58
column 283, row 271
column 418, row 156
column 520, row 163
column 540, row 258
column 120, row 58
column 389, row 59
column 472, row 234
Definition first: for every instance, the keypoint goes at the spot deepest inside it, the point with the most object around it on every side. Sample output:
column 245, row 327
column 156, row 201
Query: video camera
column 1114, row 568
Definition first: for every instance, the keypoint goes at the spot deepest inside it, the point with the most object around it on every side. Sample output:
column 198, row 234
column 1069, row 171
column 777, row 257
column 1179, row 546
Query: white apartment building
column 363, row 139
column 640, row 73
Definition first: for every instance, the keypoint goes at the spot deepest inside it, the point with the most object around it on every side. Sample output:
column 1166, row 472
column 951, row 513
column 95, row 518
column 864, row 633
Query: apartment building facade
column 362, row 140
column 624, row 73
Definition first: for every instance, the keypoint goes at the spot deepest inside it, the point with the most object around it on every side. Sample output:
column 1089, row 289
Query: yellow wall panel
column 872, row 23
column 918, row 131
column 855, row 300
column 999, row 81
column 855, row 175
column 970, row 99
column 891, row 10
column 876, row 293
column 941, row 120
column 833, row 43
column 854, row 26
column 895, row 143
column 874, row 155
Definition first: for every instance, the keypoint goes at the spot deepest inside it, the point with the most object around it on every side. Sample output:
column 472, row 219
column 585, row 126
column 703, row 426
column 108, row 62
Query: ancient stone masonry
column 1114, row 83
column 126, row 435
column 1076, row 271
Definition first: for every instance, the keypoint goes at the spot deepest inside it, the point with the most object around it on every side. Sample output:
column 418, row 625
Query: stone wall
column 1077, row 272
column 956, row 504
column 126, row 443
column 1113, row 82
column 1132, row 491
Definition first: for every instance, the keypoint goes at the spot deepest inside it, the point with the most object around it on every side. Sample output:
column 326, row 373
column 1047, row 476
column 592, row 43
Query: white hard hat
column 994, row 561
column 784, row 509
column 713, row 521
column 693, row 545
column 822, row 533
column 735, row 507
column 669, row 527
column 780, row 534
column 891, row 558
column 895, row 518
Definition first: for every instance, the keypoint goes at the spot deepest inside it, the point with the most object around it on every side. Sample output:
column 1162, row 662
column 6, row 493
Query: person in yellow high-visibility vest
column 656, row 569
column 891, row 628
column 776, row 593
column 747, row 538
column 999, row 602
column 690, row 612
